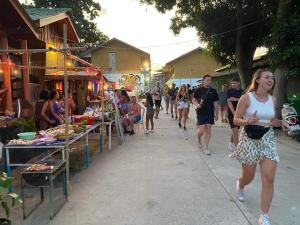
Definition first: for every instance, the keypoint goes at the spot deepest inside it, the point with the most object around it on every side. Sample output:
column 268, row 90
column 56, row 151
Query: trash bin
column 294, row 100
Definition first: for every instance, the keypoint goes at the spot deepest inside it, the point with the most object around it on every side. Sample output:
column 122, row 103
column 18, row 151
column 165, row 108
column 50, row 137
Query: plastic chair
column 141, row 122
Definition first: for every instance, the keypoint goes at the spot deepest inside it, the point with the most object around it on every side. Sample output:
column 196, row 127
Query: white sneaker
column 264, row 219
column 151, row 131
column 231, row 147
column 147, row 132
column 206, row 151
column 240, row 192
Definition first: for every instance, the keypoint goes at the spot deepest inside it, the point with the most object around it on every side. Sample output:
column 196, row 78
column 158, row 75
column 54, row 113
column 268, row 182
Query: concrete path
column 163, row 179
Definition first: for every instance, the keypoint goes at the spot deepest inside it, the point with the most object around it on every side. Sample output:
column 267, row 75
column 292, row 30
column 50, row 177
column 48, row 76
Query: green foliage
column 5, row 197
column 27, row 124
column 84, row 12
column 218, row 22
column 284, row 42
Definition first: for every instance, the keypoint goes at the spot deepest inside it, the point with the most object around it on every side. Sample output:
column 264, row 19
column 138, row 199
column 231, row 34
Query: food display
column 51, row 135
column 39, row 167
column 21, row 142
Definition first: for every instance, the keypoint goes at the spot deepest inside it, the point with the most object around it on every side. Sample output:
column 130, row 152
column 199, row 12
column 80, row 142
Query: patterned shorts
column 250, row 151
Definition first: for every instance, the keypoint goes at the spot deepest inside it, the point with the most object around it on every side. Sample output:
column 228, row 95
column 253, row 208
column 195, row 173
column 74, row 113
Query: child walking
column 149, row 113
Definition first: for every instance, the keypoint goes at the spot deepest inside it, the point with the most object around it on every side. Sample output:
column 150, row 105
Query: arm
column 54, row 113
column 239, row 120
column 43, row 113
column 230, row 106
column 216, row 110
column 73, row 105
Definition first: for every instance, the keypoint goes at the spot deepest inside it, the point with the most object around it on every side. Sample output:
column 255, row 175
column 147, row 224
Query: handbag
column 256, row 131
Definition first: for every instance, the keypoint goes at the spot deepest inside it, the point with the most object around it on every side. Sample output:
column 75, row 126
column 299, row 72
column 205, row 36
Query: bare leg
column 180, row 115
column 268, row 169
column 200, row 132
column 147, row 121
column 151, row 120
column 207, row 134
column 184, row 116
column 248, row 173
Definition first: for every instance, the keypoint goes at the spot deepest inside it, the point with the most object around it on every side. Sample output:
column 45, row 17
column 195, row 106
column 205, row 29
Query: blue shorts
column 205, row 119
column 138, row 118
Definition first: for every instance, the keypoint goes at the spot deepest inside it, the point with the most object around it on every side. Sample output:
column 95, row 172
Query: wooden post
column 6, row 73
column 66, row 109
column 25, row 72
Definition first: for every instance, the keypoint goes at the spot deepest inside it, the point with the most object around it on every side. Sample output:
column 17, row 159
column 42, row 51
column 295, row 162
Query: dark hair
column 206, row 76
column 44, row 95
column 149, row 99
column 52, row 94
column 125, row 94
column 235, row 79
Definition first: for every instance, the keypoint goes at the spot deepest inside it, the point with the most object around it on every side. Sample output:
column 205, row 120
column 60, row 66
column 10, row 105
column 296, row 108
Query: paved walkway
column 163, row 179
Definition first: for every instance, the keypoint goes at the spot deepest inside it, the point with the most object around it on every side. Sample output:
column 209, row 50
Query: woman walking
column 149, row 112
column 255, row 111
column 167, row 98
column 182, row 100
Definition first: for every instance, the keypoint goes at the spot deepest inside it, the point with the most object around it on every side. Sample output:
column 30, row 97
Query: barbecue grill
column 41, row 179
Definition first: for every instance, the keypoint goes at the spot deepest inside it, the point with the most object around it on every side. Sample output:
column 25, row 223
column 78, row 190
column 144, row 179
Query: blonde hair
column 257, row 75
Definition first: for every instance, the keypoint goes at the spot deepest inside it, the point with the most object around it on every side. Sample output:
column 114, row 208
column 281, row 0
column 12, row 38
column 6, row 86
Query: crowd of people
column 251, row 109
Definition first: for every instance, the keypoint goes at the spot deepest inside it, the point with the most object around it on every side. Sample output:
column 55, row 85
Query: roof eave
column 26, row 18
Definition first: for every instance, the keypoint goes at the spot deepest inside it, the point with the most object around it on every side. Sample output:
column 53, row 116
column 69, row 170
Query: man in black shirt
column 205, row 98
column 173, row 105
column 233, row 96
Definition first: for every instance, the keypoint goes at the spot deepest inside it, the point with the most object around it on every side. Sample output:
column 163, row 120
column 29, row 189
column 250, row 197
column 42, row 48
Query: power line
column 170, row 44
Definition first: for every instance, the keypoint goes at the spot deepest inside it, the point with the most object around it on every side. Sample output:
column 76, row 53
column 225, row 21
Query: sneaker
column 147, row 132
column 176, row 117
column 184, row 128
column 206, row 151
column 264, row 219
column 240, row 192
column 151, row 131
column 172, row 116
column 179, row 124
column 231, row 147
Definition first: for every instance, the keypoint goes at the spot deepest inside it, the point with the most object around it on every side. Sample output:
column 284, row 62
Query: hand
column 285, row 126
column 253, row 119
column 52, row 122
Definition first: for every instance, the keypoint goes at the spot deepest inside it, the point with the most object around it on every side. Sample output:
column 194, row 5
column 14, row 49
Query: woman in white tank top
column 256, row 107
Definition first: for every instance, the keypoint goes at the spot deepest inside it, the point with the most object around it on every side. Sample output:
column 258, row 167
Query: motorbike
column 290, row 115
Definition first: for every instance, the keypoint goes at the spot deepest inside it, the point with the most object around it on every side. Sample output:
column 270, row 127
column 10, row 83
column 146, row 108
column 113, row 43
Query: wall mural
column 129, row 81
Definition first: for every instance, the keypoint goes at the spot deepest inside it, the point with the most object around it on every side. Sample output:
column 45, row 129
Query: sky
column 144, row 27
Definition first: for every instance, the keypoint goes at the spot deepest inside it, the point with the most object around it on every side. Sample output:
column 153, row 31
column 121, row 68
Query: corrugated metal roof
column 42, row 13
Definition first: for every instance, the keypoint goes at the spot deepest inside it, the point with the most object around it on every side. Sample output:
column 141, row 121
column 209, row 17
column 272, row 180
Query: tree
column 233, row 29
column 84, row 12
column 284, row 48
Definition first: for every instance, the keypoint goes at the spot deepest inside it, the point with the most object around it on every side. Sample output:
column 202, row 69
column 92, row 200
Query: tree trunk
column 280, row 89
column 244, row 49
column 244, row 62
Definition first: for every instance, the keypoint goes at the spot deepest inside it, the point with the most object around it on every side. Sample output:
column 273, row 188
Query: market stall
column 52, row 139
